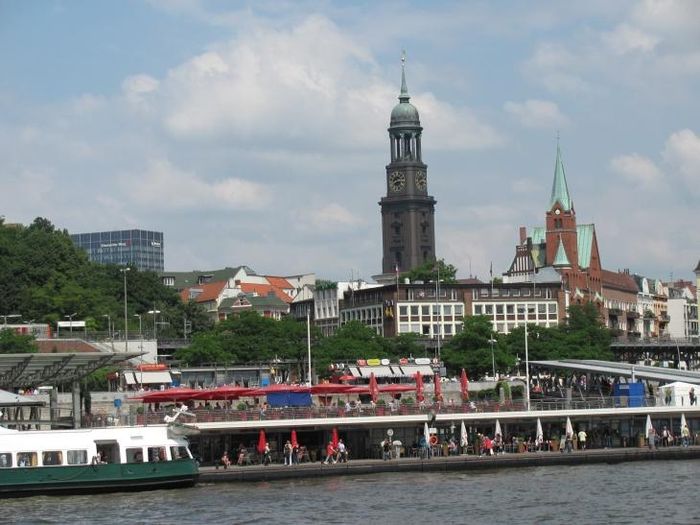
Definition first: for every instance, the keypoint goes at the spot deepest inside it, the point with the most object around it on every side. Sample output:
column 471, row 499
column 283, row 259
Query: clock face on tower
column 397, row 181
column 421, row 181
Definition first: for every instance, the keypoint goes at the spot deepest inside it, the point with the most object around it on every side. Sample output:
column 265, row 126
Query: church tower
column 560, row 220
column 408, row 212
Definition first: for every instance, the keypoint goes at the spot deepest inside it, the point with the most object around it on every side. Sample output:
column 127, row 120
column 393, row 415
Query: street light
column 70, row 319
column 140, row 346
column 126, row 314
column 527, row 366
column 493, row 358
column 9, row 316
column 110, row 330
column 438, row 309
column 154, row 312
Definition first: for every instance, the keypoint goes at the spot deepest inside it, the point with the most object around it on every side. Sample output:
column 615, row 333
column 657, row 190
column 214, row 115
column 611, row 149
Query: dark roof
column 697, row 268
column 619, row 281
column 195, row 277
column 28, row 370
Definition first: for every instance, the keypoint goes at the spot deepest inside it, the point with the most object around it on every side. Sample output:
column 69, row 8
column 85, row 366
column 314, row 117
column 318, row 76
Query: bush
column 242, row 406
column 407, row 401
column 381, row 403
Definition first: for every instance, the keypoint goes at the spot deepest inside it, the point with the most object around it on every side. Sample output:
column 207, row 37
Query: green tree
column 13, row 343
column 471, row 349
column 429, row 272
column 352, row 341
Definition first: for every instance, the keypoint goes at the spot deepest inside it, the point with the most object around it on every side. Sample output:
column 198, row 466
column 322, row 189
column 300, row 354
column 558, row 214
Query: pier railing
column 225, row 414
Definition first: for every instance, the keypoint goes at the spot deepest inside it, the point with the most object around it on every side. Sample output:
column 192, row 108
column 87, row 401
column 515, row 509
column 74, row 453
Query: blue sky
column 255, row 133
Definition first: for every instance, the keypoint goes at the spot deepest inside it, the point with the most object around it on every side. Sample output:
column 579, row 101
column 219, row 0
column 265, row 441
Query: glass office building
column 140, row 248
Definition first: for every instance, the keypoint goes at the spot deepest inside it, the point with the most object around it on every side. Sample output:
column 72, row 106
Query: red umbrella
column 334, row 437
column 222, row 392
column 347, row 378
column 326, row 389
column 294, row 441
column 262, row 441
column 373, row 388
column 396, row 388
column 419, row 387
column 169, row 394
column 464, row 385
column 438, row 387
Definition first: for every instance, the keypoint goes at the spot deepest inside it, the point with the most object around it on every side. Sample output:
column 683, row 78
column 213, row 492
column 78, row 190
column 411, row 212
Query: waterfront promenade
column 255, row 473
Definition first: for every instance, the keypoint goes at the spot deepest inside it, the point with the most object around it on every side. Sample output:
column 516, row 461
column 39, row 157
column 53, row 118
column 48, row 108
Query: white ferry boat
column 94, row 460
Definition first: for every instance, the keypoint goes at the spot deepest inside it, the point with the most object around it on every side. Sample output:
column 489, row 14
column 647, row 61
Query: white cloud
column 682, row 151
column 137, row 87
column 537, row 113
column 164, row 186
column 627, row 39
column 282, row 86
column 329, row 218
column 637, row 169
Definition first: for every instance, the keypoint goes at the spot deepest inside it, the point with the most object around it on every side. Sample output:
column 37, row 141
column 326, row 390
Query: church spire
column 403, row 97
column 560, row 190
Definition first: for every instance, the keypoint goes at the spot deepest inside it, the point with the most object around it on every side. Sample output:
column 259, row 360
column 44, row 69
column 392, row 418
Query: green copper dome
column 404, row 113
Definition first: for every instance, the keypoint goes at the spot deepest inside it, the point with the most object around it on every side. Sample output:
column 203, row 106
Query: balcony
column 614, row 311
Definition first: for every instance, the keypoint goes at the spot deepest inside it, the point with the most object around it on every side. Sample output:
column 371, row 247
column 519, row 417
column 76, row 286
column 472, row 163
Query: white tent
column 569, row 427
column 647, row 426
column 539, row 438
column 675, row 394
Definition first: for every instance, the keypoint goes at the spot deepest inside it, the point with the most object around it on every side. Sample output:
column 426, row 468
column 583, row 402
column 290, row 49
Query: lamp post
column 9, row 316
column 70, row 320
column 140, row 346
column 308, row 342
column 493, row 358
column 155, row 313
column 527, row 367
column 110, row 329
column 438, row 309
column 126, row 314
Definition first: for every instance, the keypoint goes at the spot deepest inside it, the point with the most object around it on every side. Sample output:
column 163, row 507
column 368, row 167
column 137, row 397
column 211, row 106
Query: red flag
column 293, row 440
column 464, row 385
column 262, row 441
column 438, row 387
column 373, row 387
column 334, row 437
column 419, row 387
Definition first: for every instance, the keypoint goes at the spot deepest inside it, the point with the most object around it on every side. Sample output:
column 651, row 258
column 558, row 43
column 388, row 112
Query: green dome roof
column 404, row 113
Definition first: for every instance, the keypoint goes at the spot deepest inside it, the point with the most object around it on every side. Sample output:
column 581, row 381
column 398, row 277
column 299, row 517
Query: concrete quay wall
column 257, row 473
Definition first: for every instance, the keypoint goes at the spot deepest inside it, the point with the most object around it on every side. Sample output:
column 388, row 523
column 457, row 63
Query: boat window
column 156, row 454
column 26, row 459
column 77, row 457
column 179, row 452
column 52, row 457
column 5, row 460
column 134, row 455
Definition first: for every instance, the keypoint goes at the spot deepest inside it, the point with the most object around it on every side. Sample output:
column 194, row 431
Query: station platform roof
column 629, row 370
column 29, row 370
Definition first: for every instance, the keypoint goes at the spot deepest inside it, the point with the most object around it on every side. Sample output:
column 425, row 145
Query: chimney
column 523, row 234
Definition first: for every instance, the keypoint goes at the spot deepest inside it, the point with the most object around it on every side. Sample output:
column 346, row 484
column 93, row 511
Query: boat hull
column 91, row 479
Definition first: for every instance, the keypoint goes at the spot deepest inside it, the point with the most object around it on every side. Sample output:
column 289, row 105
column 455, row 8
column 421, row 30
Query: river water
column 646, row 492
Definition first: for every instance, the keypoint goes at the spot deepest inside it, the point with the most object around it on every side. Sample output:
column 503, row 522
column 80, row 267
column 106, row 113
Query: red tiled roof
column 264, row 289
column 278, row 282
column 619, row 281
column 209, row 292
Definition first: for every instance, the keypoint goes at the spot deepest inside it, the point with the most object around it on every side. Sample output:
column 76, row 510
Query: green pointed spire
column 560, row 190
column 403, row 97
column 560, row 259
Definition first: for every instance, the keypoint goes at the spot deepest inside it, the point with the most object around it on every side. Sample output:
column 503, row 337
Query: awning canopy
column 378, row 371
column 9, row 399
column 410, row 370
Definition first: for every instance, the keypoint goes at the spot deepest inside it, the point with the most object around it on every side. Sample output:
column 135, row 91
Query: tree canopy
column 429, row 272
column 13, row 343
column 46, row 278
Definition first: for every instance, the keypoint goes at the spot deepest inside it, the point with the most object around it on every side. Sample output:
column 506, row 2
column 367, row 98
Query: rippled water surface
column 650, row 492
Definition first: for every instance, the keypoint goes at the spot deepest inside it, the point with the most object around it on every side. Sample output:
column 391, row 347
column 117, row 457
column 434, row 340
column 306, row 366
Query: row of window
column 530, row 291
column 431, row 330
column 534, row 311
column 80, row 457
column 420, row 311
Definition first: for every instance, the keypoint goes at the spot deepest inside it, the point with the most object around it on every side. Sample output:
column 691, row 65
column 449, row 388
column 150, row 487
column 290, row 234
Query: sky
column 256, row 132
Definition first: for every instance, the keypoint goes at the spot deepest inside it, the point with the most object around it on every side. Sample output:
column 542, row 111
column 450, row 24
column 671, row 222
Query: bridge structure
column 677, row 353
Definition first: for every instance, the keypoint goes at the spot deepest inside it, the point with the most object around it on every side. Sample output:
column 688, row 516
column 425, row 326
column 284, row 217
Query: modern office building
column 140, row 248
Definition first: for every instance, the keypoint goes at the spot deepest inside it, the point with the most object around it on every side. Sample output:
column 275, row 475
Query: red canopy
column 262, row 441
column 373, row 388
column 464, row 385
column 326, row 389
column 170, row 394
column 438, row 387
column 222, row 392
column 392, row 388
column 293, row 439
column 419, row 387
column 347, row 378
column 272, row 389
